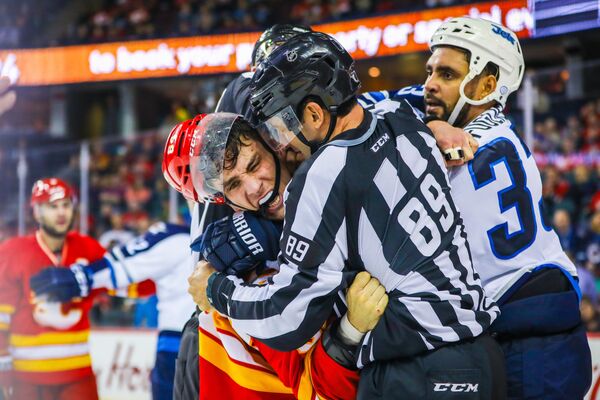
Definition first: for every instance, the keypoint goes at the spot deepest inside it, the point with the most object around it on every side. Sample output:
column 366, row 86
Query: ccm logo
column 456, row 387
column 380, row 142
column 247, row 236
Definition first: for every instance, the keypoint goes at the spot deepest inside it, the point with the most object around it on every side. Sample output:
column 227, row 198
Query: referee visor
column 280, row 129
column 207, row 155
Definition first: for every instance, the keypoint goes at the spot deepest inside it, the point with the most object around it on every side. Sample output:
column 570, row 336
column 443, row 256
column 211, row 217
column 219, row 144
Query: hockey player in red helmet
column 197, row 155
column 176, row 158
column 53, row 202
column 47, row 356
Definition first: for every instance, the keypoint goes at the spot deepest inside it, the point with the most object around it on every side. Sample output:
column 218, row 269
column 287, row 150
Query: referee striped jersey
column 375, row 198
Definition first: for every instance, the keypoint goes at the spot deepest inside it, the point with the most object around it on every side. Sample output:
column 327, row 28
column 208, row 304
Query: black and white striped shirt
column 375, row 198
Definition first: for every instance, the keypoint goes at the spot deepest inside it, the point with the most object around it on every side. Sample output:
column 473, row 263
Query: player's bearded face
column 56, row 217
column 250, row 182
column 446, row 69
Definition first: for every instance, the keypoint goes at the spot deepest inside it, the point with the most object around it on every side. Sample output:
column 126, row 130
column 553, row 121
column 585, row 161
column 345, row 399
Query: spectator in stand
column 112, row 191
column 595, row 202
column 339, row 9
column 137, row 195
column 555, row 191
column 587, row 283
column 581, row 190
column 589, row 315
column 206, row 21
column 588, row 248
column 117, row 234
column 564, row 229
column 136, row 219
column 590, row 141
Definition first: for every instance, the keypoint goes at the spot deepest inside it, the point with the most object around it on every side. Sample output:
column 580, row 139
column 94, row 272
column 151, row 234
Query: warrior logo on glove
column 238, row 244
column 246, row 234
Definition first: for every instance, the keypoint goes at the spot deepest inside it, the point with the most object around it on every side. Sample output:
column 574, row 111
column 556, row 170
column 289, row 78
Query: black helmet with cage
column 309, row 66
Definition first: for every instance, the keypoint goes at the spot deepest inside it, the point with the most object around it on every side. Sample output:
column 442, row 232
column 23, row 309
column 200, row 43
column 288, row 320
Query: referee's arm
column 291, row 308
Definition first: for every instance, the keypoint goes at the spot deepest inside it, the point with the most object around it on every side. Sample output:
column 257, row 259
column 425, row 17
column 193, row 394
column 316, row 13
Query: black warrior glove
column 237, row 244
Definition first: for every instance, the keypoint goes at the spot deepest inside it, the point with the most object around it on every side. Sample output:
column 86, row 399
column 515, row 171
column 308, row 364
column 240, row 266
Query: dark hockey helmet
column 275, row 36
column 309, row 64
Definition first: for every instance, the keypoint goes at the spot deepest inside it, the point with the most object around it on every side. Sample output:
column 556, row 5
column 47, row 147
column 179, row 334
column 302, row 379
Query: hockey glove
column 62, row 284
column 237, row 244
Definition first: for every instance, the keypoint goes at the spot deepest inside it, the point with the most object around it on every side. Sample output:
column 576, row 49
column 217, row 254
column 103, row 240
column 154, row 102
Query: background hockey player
column 162, row 255
column 44, row 344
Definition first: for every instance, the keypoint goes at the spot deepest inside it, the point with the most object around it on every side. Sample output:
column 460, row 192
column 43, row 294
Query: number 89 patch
column 296, row 247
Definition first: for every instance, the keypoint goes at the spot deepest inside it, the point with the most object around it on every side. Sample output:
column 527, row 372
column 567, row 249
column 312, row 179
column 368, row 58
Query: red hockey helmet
column 177, row 156
column 51, row 189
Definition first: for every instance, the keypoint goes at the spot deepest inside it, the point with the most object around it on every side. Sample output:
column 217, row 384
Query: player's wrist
column 83, row 277
column 340, row 352
column 348, row 333
column 219, row 289
column 209, row 287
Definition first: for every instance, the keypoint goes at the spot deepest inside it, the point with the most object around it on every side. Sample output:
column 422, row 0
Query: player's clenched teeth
column 265, row 198
column 276, row 203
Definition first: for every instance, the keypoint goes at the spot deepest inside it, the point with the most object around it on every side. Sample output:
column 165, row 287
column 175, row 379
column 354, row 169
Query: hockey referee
column 373, row 195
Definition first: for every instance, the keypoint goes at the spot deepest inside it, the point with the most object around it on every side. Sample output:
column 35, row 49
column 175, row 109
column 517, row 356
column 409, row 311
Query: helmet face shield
column 207, row 155
column 280, row 129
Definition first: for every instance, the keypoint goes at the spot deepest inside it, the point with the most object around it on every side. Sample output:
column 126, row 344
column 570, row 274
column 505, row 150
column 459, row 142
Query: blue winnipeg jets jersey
column 162, row 254
column 499, row 196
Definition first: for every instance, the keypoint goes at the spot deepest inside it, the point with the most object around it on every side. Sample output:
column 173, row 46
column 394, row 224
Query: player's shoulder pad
column 157, row 233
column 11, row 245
column 413, row 90
column 81, row 239
column 412, row 94
column 168, row 229
column 161, row 231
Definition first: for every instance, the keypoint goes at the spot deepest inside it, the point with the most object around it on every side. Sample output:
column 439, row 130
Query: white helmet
column 487, row 42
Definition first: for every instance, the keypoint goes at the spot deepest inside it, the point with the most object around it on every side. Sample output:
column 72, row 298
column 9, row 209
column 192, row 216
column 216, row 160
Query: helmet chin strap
column 464, row 99
column 262, row 209
column 456, row 111
column 332, row 123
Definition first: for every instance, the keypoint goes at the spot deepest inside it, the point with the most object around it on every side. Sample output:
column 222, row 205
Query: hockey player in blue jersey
column 475, row 65
column 162, row 255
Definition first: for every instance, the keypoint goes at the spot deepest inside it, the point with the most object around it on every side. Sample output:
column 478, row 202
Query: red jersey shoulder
column 18, row 245
column 84, row 246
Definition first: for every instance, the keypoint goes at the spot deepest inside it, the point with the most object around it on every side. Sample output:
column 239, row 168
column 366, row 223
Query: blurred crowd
column 579, row 133
column 567, row 150
column 119, row 20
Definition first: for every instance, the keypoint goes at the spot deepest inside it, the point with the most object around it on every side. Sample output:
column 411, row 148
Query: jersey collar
column 55, row 261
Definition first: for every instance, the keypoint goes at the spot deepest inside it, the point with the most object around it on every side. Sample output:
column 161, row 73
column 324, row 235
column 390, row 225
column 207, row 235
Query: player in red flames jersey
column 44, row 352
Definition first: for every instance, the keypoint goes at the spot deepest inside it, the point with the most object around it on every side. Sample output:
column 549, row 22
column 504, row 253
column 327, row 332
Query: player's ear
column 313, row 115
column 488, row 85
